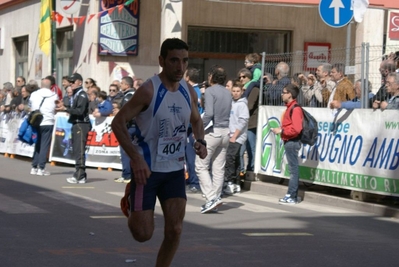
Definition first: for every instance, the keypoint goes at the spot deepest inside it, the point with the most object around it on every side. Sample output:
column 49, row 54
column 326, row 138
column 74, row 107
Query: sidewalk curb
column 323, row 199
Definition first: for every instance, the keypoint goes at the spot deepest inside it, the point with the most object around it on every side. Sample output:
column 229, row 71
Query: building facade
column 107, row 39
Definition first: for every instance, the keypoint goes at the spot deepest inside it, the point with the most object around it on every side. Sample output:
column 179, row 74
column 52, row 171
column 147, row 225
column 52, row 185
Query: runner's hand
column 141, row 171
column 125, row 206
column 200, row 150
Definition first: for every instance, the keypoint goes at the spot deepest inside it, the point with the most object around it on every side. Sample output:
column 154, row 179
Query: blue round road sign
column 336, row 13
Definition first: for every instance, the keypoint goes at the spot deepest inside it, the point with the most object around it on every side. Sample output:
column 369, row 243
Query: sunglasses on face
column 243, row 77
column 112, row 90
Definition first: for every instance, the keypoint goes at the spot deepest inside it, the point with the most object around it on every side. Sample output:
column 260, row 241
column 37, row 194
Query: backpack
column 309, row 133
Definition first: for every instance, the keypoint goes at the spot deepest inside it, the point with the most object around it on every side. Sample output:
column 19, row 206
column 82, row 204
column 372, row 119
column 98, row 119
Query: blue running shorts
column 163, row 185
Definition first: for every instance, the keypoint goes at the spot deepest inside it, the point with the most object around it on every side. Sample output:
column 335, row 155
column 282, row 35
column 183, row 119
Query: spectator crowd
column 229, row 109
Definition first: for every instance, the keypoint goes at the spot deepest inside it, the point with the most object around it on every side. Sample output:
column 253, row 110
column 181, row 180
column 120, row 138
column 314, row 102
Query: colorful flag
column 45, row 26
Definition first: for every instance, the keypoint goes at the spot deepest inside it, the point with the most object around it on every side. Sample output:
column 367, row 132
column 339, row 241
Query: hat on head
column 74, row 77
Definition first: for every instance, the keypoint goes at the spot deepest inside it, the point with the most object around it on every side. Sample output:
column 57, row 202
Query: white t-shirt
column 48, row 106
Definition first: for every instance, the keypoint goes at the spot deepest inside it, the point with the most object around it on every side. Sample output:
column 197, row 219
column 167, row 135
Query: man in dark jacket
column 273, row 93
column 128, row 92
column 79, row 118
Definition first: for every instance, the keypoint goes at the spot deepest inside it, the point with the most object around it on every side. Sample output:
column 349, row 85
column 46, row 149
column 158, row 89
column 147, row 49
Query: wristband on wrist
column 201, row 141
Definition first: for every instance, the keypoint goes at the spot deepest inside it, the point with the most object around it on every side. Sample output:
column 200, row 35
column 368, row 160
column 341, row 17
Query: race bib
column 170, row 148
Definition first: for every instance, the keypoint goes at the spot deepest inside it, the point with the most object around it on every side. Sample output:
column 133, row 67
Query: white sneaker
column 237, row 188
column 41, row 172
column 229, row 190
column 121, row 180
column 33, row 171
column 73, row 180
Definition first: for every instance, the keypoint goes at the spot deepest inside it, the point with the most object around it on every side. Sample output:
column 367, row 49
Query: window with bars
column 21, row 45
column 204, row 40
column 64, row 41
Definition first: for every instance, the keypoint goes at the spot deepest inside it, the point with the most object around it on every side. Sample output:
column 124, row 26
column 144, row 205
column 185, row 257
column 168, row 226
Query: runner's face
column 175, row 64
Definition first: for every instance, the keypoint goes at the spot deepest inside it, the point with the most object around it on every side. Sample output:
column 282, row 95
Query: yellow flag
column 45, row 26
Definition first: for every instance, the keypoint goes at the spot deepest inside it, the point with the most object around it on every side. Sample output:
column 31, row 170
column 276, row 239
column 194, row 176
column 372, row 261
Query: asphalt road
column 47, row 222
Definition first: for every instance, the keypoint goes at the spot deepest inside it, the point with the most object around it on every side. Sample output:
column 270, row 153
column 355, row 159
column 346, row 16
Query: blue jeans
column 251, row 144
column 291, row 152
column 190, row 162
column 125, row 160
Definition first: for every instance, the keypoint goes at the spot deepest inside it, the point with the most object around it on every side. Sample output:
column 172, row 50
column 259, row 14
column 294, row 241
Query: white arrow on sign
column 336, row 4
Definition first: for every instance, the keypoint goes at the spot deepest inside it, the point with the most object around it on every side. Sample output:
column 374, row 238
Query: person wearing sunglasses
column 89, row 83
column 20, row 81
column 79, row 118
column 114, row 95
column 290, row 130
column 245, row 76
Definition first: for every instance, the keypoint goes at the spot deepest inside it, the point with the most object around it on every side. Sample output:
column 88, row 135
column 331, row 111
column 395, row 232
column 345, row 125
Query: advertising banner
column 102, row 148
column 393, row 26
column 118, row 28
column 9, row 143
column 356, row 150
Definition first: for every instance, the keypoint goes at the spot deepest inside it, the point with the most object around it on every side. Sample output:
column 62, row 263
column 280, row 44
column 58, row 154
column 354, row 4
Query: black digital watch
column 201, row 141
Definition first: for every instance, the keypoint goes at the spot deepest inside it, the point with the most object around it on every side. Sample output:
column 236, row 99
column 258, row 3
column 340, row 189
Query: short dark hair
column 95, row 92
column 31, row 87
column 117, row 103
column 51, row 79
column 218, row 75
column 340, row 67
column 171, row 44
column 102, row 95
column 293, row 90
column 22, row 78
column 193, row 74
column 114, row 85
column 238, row 84
column 98, row 89
column 128, row 80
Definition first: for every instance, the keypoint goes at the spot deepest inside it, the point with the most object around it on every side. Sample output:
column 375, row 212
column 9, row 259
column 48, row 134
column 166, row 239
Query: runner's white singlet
column 161, row 133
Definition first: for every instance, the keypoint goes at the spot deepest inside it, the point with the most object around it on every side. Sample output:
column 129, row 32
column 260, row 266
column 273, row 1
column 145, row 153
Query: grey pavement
column 376, row 204
column 47, row 222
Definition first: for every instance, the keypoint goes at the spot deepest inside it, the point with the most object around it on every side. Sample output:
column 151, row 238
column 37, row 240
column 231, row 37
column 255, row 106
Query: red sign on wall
column 394, row 26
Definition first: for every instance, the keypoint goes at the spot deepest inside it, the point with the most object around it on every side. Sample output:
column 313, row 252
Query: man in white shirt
column 44, row 100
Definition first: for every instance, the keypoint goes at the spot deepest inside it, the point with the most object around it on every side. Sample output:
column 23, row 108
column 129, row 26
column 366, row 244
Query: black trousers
column 79, row 139
column 42, row 146
column 232, row 162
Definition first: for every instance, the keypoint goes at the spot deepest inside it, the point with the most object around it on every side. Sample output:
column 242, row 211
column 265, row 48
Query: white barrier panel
column 9, row 143
column 102, row 148
column 356, row 150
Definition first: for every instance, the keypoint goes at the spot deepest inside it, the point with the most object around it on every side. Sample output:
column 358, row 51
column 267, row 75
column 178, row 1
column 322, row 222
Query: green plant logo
column 269, row 139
